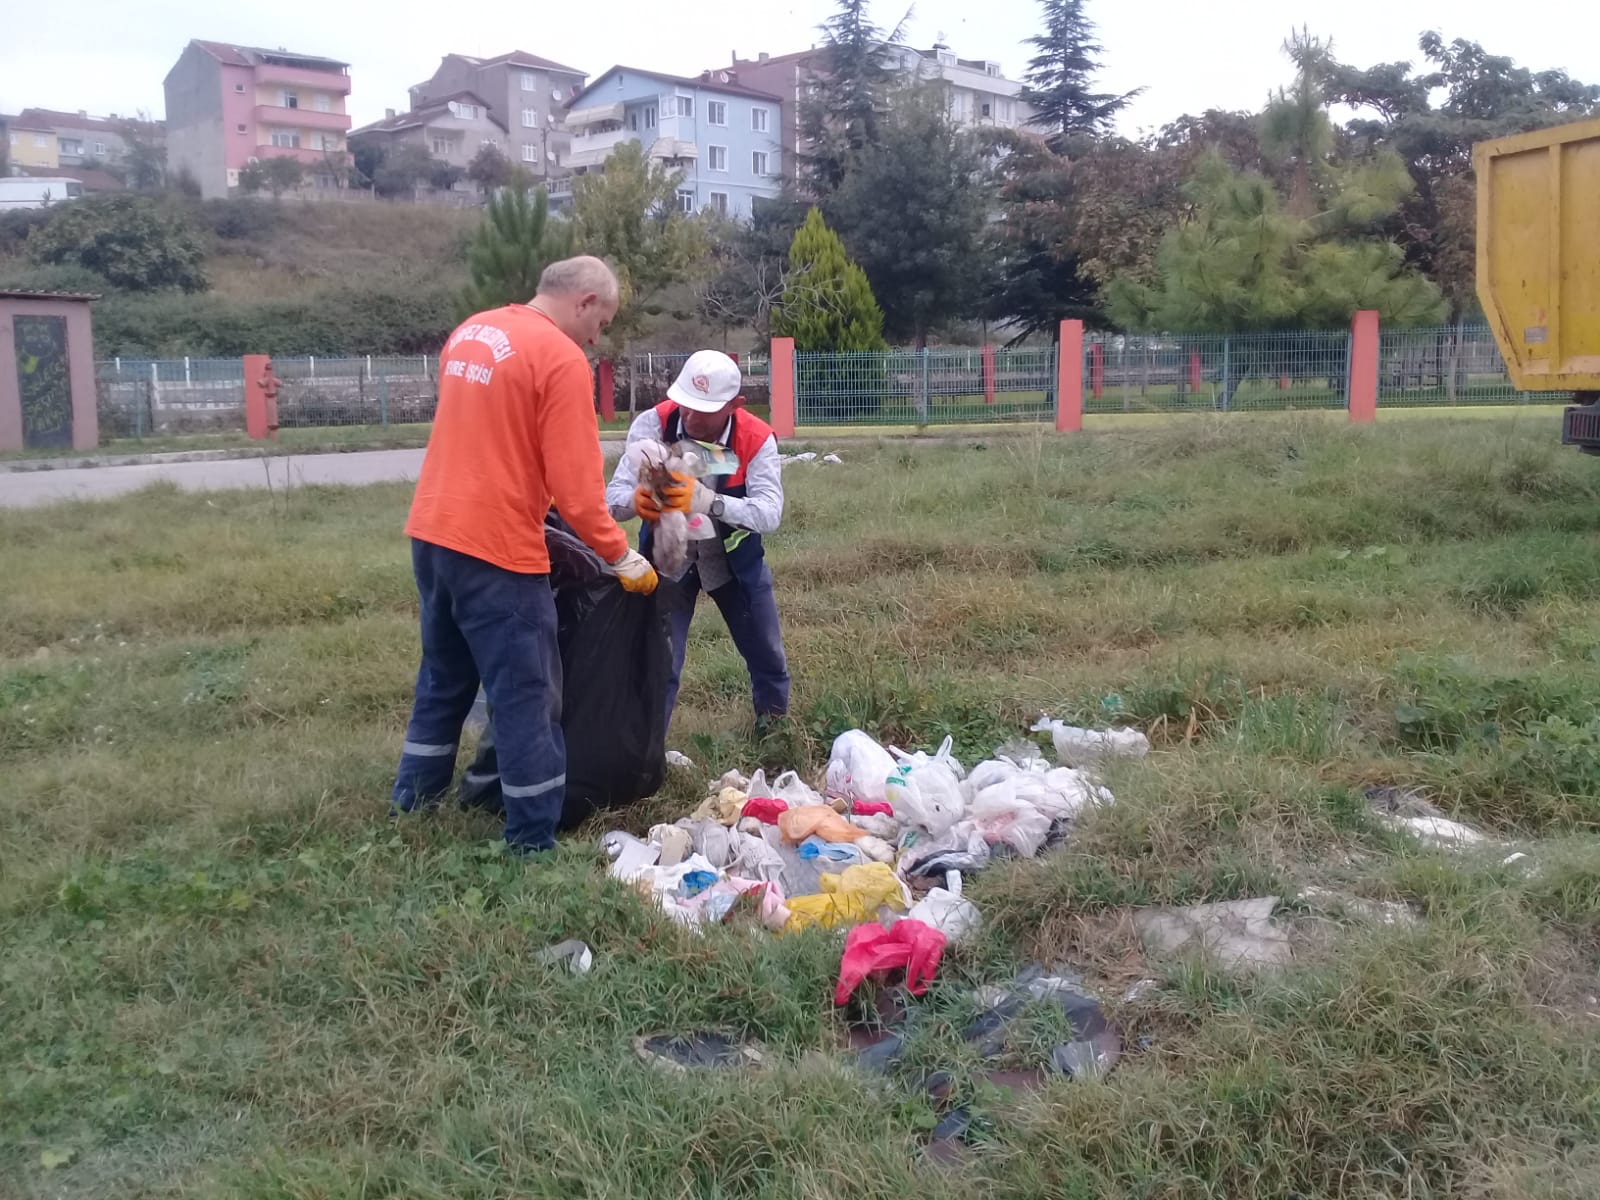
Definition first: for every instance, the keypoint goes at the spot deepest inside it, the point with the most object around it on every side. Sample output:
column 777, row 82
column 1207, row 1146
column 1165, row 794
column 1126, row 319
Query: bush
column 330, row 321
column 18, row 225
column 133, row 242
column 237, row 220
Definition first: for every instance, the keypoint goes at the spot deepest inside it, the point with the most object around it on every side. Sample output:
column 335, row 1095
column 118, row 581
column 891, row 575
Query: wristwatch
column 718, row 508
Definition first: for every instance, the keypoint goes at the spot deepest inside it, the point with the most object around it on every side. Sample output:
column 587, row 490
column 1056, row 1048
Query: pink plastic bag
column 870, row 948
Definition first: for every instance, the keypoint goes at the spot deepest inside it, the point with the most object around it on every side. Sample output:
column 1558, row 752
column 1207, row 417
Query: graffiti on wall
column 44, row 382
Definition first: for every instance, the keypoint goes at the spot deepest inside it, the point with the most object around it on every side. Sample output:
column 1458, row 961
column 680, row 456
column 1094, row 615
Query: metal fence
column 1238, row 372
column 924, row 387
column 1449, row 365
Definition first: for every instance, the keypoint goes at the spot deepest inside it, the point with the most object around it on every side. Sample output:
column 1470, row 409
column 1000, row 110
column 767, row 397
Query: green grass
column 224, row 973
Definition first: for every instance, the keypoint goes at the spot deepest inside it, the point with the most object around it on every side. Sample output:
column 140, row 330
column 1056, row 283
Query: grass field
column 224, row 973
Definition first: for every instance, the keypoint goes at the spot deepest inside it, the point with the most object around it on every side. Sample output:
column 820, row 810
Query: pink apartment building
column 228, row 105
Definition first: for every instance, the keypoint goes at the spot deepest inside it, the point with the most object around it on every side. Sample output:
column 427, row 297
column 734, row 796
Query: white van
column 27, row 191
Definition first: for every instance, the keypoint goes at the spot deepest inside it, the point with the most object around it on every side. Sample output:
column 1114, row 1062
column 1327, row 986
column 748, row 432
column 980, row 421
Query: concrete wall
column 197, row 139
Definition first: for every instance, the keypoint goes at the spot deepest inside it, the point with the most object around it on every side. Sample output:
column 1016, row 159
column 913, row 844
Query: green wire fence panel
column 925, row 387
column 1447, row 365
column 1204, row 372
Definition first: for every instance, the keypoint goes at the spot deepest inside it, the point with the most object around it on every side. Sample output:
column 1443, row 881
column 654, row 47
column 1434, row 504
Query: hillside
column 281, row 277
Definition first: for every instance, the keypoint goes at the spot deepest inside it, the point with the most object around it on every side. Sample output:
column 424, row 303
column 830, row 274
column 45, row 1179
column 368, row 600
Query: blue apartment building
column 725, row 138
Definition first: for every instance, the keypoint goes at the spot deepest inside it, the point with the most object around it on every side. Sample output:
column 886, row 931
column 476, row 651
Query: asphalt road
column 26, row 489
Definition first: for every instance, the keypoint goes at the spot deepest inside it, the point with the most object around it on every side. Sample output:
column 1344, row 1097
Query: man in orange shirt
column 514, row 430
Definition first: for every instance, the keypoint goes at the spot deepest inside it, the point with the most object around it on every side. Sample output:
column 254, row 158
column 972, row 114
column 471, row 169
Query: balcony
column 305, row 155
column 592, row 149
column 326, row 81
column 302, row 118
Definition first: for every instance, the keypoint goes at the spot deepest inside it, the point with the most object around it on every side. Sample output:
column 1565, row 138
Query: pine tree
column 511, row 249
column 827, row 302
column 1058, row 80
column 840, row 118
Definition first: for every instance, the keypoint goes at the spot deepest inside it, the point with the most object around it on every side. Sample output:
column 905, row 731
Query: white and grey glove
column 634, row 573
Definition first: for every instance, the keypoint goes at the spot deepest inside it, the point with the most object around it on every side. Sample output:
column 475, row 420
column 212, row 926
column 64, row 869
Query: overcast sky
column 108, row 56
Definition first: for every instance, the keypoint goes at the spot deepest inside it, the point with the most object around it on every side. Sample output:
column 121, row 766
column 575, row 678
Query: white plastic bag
column 948, row 912
column 926, row 792
column 858, row 768
column 1077, row 747
column 654, row 465
column 794, row 791
column 1004, row 816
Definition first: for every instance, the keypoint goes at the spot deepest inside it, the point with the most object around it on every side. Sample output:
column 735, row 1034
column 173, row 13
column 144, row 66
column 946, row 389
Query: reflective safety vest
column 746, row 556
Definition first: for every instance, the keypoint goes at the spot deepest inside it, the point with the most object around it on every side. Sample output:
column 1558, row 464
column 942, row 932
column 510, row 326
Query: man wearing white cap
column 704, row 405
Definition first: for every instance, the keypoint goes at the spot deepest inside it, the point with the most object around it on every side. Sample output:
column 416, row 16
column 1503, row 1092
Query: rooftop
column 23, row 294
column 521, row 58
column 708, row 80
column 427, row 113
column 253, row 56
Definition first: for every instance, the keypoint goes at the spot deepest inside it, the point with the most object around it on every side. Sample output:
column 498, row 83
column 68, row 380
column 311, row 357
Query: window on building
column 1005, row 110
column 686, row 202
column 240, row 129
column 41, row 141
column 530, row 118
column 289, row 139
column 686, row 106
column 530, row 81
column 100, row 149
column 650, row 117
column 530, row 154
column 321, row 102
column 441, row 145
column 719, row 203
column 330, row 142
column 464, row 112
column 717, row 158
column 239, row 87
column 633, row 121
column 290, row 99
column 717, row 112
column 758, row 163
column 71, row 146
column 985, row 109
column 758, row 120
column 992, row 69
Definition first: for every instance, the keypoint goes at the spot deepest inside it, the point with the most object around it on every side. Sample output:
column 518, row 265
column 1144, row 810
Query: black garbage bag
column 615, row 659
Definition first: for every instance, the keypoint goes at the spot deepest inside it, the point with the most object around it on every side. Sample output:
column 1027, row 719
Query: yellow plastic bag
column 850, row 897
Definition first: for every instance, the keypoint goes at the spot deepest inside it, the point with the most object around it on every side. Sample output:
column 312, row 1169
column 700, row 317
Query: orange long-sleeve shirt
column 514, row 431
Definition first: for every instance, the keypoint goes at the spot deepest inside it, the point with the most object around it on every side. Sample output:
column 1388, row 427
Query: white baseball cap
column 707, row 382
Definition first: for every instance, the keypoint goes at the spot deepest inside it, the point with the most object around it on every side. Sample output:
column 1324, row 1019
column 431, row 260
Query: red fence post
column 988, row 374
column 1362, row 386
column 1195, row 372
column 781, row 383
column 260, row 397
column 608, row 390
column 1069, row 378
column 1097, row 370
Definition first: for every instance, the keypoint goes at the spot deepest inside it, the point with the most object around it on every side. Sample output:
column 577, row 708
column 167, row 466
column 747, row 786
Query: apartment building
column 977, row 90
column 230, row 105
column 452, row 130
column 525, row 96
column 722, row 134
column 30, row 143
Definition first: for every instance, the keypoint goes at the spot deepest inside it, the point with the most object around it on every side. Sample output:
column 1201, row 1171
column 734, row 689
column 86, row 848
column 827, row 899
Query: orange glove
column 679, row 494
column 644, row 503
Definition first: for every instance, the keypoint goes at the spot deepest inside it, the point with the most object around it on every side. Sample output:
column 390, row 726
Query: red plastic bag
column 872, row 808
column 764, row 808
column 869, row 948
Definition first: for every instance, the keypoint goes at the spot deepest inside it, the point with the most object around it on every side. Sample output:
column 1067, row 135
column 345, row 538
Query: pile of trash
column 881, row 849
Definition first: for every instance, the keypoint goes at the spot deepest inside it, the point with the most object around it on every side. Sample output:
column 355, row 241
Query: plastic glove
column 644, row 503
column 635, row 574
